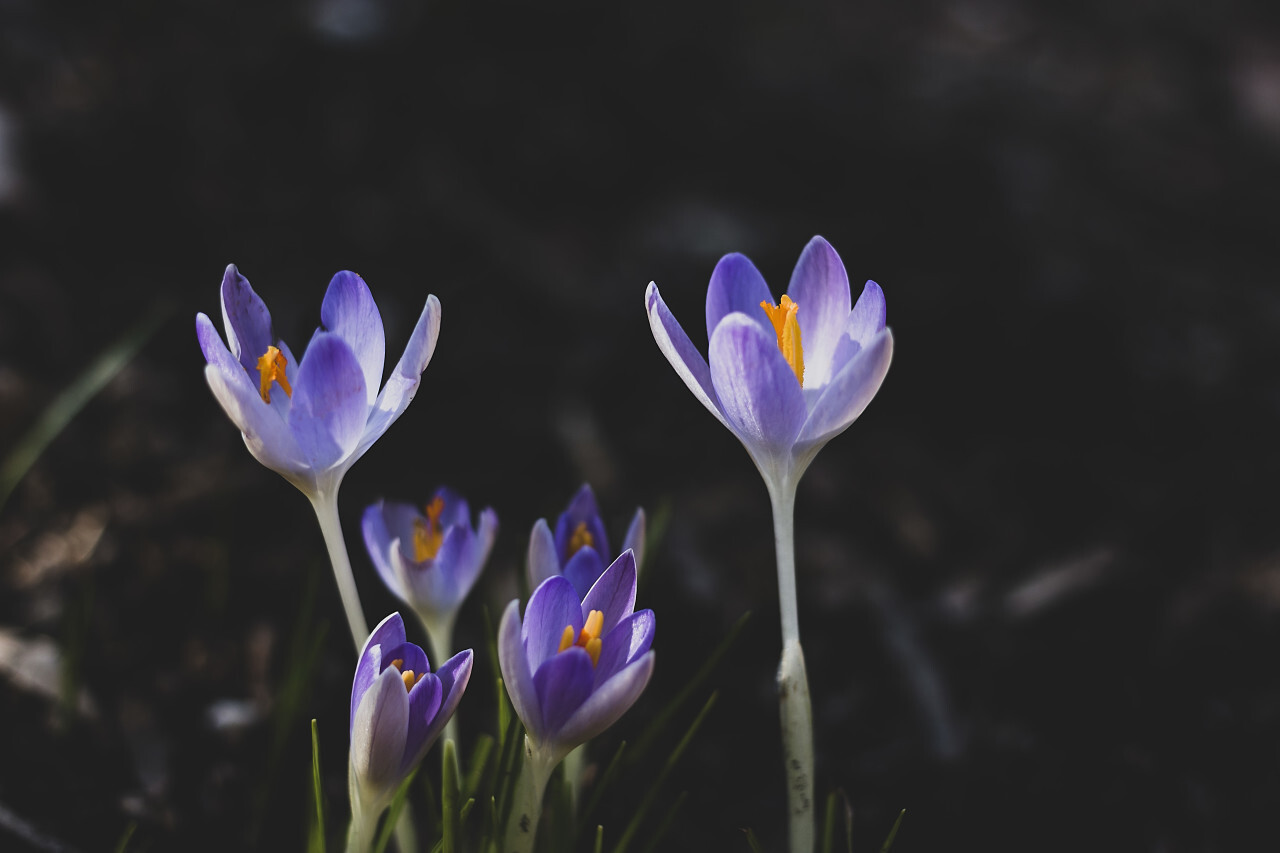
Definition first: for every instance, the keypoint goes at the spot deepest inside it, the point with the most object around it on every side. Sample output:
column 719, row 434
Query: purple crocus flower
column 311, row 420
column 430, row 559
column 575, row 664
column 398, row 708
column 578, row 548
column 784, row 377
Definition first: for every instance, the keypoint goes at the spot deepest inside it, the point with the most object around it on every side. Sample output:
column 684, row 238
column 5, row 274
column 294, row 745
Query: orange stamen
column 580, row 539
column 427, row 535
column 588, row 638
column 787, row 327
column 271, row 368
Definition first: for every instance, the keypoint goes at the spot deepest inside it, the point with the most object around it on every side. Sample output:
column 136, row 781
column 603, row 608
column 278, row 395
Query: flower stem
column 793, row 684
column 326, row 507
column 526, row 809
column 360, row 835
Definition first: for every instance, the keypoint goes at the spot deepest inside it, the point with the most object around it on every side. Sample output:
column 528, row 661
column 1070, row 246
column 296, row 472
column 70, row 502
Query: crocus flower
column 784, row 377
column 310, row 420
column 579, row 547
column 575, row 664
column 430, row 559
column 398, row 708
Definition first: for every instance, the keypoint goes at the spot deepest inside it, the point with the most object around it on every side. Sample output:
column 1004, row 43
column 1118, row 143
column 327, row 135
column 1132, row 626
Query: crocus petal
column 552, row 606
column 455, row 511
column 563, row 684
column 634, row 540
column 756, row 387
column 736, row 285
column 480, row 545
column 608, row 702
column 584, row 569
column 680, row 351
column 432, row 584
column 377, row 541
column 424, row 706
column 626, row 642
column 454, row 675
column 329, row 408
column 403, row 382
column 348, row 310
column 246, row 318
column 614, row 594
column 267, row 437
column 411, row 656
column 868, row 316
column 850, row 391
column 388, row 634
column 820, row 287
column 581, row 510
column 516, row 674
column 542, row 560
column 378, row 730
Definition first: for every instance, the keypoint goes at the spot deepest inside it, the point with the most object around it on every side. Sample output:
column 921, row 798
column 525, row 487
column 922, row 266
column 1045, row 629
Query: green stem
column 326, row 507
column 522, row 826
column 361, row 834
column 793, row 684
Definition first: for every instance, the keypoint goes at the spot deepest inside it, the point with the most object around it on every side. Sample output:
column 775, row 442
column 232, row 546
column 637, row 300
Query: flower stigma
column 271, row 367
column 427, row 534
column 588, row 638
column 407, row 676
column 580, row 539
column 787, row 328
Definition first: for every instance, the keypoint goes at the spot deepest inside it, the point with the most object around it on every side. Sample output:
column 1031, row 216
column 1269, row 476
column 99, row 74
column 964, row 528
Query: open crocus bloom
column 311, row 420
column 429, row 559
column 398, row 709
column 784, row 377
column 574, row 665
column 578, row 548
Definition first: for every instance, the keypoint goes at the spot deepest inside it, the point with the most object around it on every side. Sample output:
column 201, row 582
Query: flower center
column 580, row 539
column 427, row 534
column 787, row 327
column 407, row 676
column 271, row 366
column 588, row 638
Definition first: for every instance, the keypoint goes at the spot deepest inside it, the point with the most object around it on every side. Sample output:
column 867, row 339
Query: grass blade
column 667, row 820
column 393, row 814
column 126, row 837
column 752, row 841
column 315, row 844
column 893, row 833
column 449, row 796
column 609, row 773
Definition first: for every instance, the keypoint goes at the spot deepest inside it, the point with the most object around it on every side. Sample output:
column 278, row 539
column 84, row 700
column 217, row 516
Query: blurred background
column 1039, row 577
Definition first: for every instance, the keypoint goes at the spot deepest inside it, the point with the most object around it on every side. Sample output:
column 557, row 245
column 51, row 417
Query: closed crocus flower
column 310, row 420
column 398, row 708
column 579, row 546
column 785, row 377
column 430, row 558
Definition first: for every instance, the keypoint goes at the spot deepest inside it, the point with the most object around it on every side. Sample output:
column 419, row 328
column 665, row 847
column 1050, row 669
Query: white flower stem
column 363, row 826
column 526, row 807
column 793, row 684
column 326, row 507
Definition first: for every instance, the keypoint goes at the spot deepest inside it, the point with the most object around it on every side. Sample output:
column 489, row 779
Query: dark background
column 1039, row 578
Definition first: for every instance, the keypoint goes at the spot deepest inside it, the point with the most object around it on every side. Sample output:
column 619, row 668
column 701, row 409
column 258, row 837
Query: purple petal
column 608, row 702
column 388, row 634
column 615, row 593
column 626, row 642
column 552, row 606
column 563, row 684
column 455, row 510
column 245, row 316
column 850, row 391
column 349, row 312
column 378, row 730
column 329, row 408
column 454, row 675
column 424, row 706
column 516, row 674
column 634, row 540
column 820, row 287
column 480, row 544
column 736, row 285
column 542, row 560
column 868, row 316
column 583, row 570
column 403, row 382
column 680, row 351
column 433, row 584
column 411, row 656
column 757, row 388
column 377, row 541
column 267, row 437
column 581, row 510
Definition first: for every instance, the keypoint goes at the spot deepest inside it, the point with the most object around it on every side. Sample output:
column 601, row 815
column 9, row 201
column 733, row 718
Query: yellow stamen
column 427, row 535
column 407, row 677
column 588, row 638
column 787, row 328
column 271, row 367
column 398, row 662
column 580, row 539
